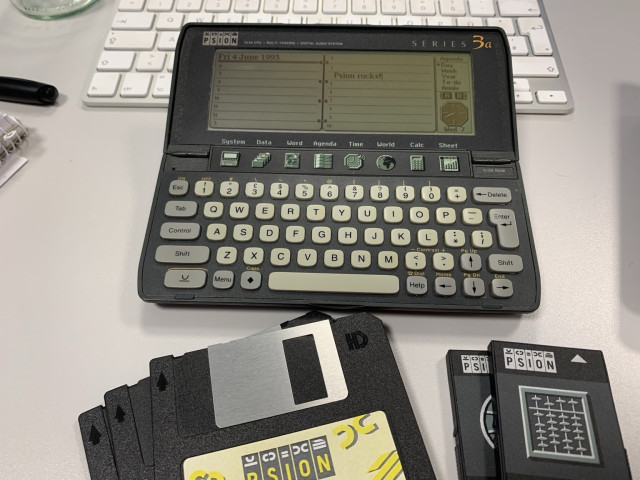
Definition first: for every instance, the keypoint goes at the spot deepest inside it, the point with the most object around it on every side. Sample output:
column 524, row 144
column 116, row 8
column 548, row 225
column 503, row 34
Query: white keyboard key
column 133, row 21
column 419, row 215
column 470, row 22
column 374, row 236
column 227, row 255
column 305, row 7
column 135, row 85
column 350, row 20
column 392, row 215
column 360, row 259
column 189, row 6
column 295, row 234
column 393, row 7
column 247, row 6
column 443, row 262
column 518, row 45
column 321, row 235
column 170, row 21
column 217, row 6
column 388, row 260
column 504, row 23
column 159, row 5
column 534, row 67
column 367, row 214
column 410, row 20
column 131, row 5
column 213, row 209
column 104, row 84
column 168, row 40
column 445, row 216
column 258, row 18
column 290, row 212
column 534, row 28
column 170, row 60
column 203, row 188
column 316, row 213
column 242, row 232
column 551, row 96
column 521, row 85
column 440, row 21
column 415, row 261
column 276, row 6
column 265, row 211
column 481, row 8
column 116, row 61
column 354, row 193
column 280, row 257
column 238, row 210
column 427, row 237
column 279, row 190
column 430, row 194
column 229, row 189
column 363, row 7
column 329, row 192
column 269, row 233
column 124, row 40
column 254, row 190
column 422, row 7
column 379, row 20
column 334, row 282
column 523, row 97
column 334, row 7
column 307, row 257
column 150, row 61
column 228, row 18
column 162, row 87
column 400, row 237
column 519, row 8
column 379, row 193
column 347, row 236
column 333, row 258
column 452, row 8
column 253, row 256
column 199, row 17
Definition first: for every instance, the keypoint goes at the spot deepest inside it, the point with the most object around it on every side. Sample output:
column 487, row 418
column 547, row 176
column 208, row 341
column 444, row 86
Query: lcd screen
column 342, row 91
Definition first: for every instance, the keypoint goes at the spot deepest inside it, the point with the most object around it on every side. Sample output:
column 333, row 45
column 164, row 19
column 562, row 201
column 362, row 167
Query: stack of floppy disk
column 534, row 412
column 313, row 398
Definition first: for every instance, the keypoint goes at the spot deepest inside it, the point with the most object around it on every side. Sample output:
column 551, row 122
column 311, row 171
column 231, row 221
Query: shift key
column 182, row 254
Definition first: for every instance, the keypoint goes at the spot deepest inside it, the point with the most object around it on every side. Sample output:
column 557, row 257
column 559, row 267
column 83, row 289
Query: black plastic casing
column 488, row 158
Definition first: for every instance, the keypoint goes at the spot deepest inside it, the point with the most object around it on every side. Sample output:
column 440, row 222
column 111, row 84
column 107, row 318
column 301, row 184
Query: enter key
column 505, row 221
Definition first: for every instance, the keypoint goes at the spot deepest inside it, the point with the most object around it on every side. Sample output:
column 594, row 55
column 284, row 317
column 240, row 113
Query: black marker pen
column 27, row 91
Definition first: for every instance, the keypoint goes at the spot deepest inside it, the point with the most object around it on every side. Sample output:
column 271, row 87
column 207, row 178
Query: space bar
column 333, row 282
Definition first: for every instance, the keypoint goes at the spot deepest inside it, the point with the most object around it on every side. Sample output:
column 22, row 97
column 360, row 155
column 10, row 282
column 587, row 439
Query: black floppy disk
column 117, row 437
column 556, row 416
column 313, row 401
column 473, row 413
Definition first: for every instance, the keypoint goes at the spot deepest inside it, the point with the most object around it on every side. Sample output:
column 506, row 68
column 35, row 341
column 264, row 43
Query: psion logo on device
column 227, row 39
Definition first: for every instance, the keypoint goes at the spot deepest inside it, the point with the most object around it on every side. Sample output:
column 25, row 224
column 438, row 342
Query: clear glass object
column 50, row 9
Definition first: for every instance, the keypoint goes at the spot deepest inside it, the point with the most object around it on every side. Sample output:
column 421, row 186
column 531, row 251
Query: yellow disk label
column 359, row 448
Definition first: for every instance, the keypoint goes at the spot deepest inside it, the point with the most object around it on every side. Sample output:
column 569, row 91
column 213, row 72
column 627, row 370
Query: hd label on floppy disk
column 359, row 448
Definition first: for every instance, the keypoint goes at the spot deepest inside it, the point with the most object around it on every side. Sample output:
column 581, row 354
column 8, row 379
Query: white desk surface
column 72, row 222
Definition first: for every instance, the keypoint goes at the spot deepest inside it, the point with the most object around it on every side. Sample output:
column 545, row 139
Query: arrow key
column 501, row 288
column 445, row 286
column 470, row 262
column 473, row 287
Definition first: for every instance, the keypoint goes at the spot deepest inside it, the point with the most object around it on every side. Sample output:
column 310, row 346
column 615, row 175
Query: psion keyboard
column 136, row 64
column 271, row 194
